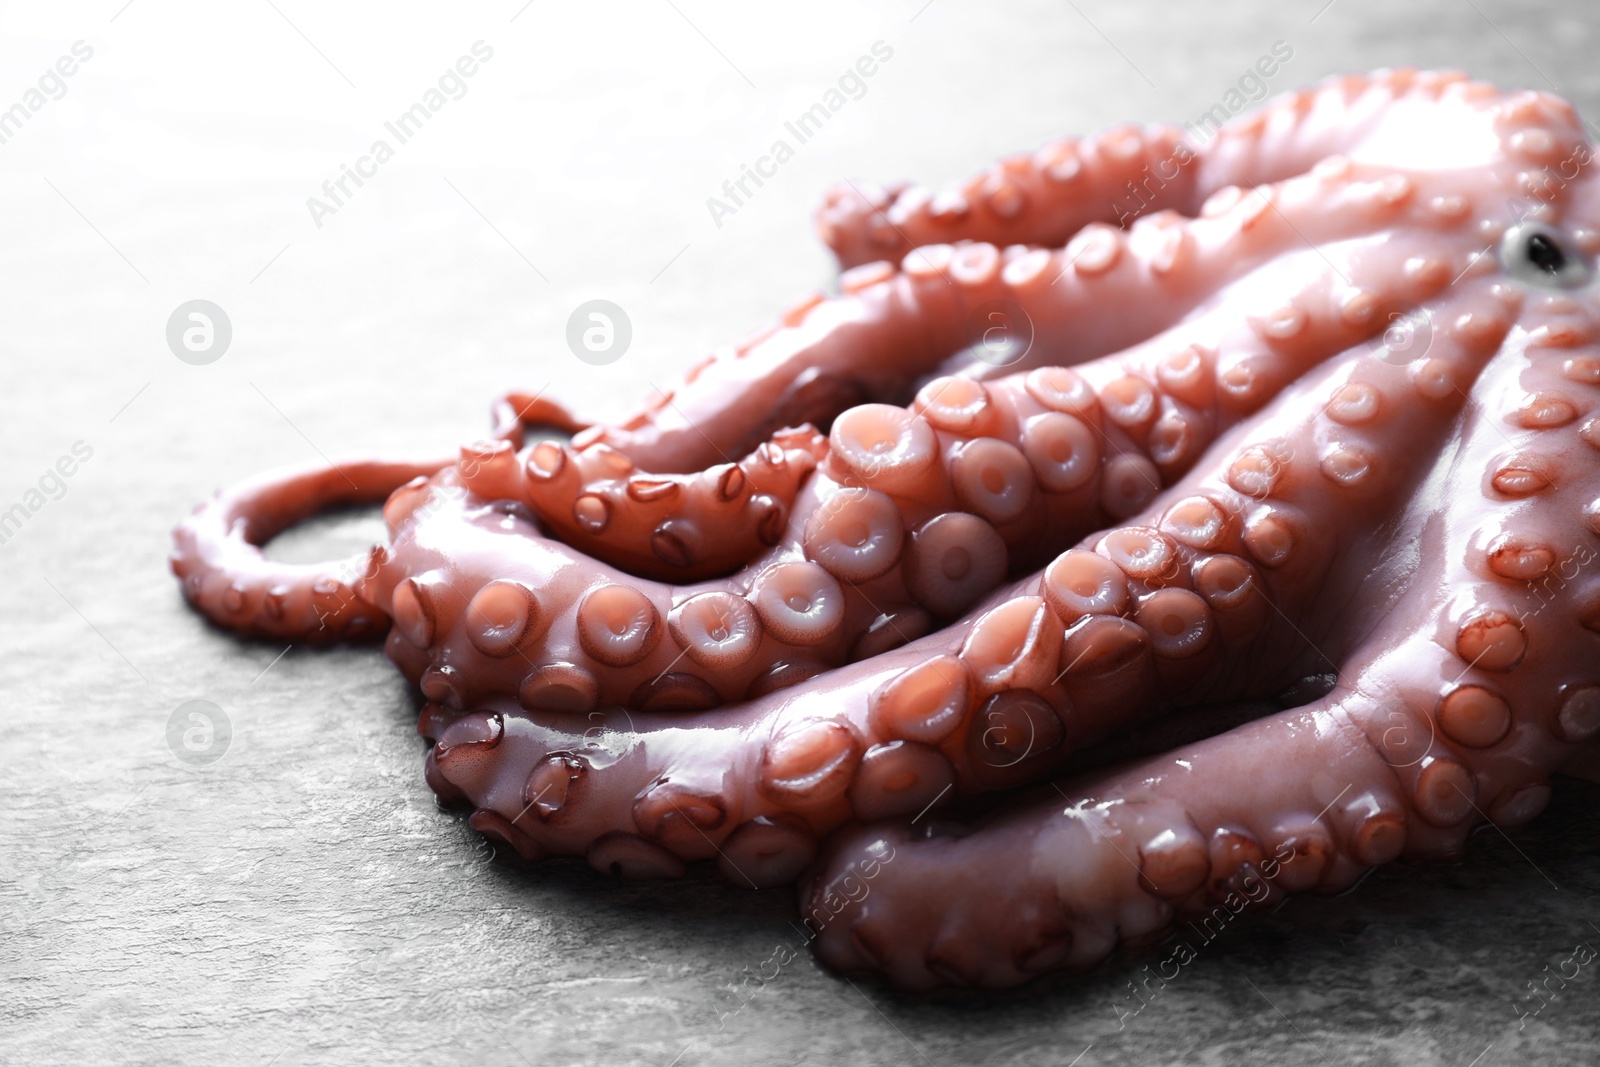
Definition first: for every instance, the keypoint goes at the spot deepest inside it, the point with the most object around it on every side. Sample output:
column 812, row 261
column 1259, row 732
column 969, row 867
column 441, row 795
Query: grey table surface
column 301, row 899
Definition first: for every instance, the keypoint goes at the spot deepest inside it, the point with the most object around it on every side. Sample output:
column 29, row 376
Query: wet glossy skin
column 1312, row 439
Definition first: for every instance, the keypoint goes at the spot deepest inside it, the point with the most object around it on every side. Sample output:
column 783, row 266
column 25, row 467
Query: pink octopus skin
column 1305, row 443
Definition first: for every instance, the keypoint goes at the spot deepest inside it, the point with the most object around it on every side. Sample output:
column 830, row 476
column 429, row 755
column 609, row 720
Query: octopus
column 1149, row 528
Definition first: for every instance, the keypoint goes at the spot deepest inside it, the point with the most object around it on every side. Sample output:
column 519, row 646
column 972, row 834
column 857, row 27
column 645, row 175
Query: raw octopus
column 1073, row 570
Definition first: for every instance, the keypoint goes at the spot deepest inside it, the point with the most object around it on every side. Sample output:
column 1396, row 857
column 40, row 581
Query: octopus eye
column 1545, row 253
column 1534, row 253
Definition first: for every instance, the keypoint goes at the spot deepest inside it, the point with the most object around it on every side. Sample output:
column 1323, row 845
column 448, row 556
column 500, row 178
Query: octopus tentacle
column 1041, row 198
column 224, row 574
column 682, row 527
column 886, row 332
column 515, row 412
column 456, row 559
column 1204, row 832
column 1386, row 118
column 1129, row 172
column 217, row 550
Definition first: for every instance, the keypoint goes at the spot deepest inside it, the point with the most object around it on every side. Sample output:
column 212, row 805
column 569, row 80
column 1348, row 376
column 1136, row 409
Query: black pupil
column 1545, row 254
